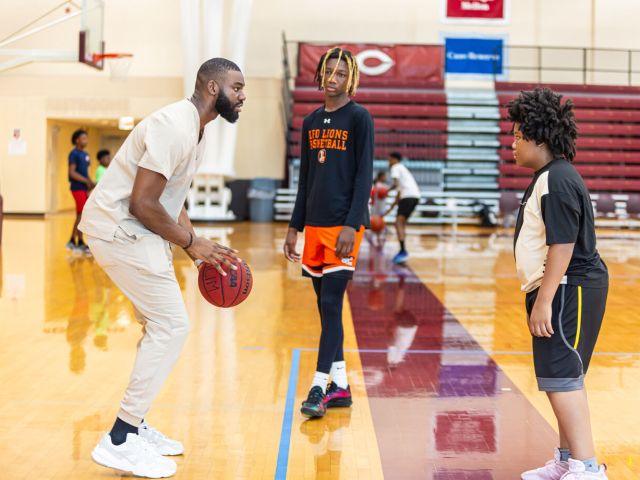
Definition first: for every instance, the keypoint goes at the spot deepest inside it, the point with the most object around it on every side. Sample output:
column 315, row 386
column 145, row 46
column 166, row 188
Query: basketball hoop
column 119, row 64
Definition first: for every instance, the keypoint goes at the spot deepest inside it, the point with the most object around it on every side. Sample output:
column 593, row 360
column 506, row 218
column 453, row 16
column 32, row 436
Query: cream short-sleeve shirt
column 166, row 142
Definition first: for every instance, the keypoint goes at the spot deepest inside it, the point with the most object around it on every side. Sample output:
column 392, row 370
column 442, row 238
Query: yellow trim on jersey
column 575, row 345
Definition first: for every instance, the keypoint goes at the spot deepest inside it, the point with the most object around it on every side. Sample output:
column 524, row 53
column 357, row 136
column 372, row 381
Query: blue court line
column 287, row 421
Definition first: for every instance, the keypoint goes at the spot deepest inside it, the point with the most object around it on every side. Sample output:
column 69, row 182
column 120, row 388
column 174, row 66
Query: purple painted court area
column 438, row 415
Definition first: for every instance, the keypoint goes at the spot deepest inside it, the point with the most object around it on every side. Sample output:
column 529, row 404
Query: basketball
column 226, row 291
column 377, row 223
column 382, row 192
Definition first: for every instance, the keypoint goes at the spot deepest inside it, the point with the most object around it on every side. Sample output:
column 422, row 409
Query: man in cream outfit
column 130, row 220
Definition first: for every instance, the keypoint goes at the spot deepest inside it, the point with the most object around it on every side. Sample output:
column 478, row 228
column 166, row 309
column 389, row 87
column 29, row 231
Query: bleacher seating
column 449, row 140
column 382, row 82
column 611, row 209
column 608, row 145
column 434, row 207
column 563, row 87
column 379, row 96
column 459, row 143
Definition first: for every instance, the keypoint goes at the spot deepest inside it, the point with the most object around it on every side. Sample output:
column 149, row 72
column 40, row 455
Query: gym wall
column 33, row 94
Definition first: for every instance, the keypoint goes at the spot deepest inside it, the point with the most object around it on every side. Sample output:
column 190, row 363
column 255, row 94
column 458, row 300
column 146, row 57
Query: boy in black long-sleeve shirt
column 336, row 170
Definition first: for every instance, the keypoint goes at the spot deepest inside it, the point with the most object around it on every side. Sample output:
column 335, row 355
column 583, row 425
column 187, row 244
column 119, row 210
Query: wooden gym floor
column 438, row 358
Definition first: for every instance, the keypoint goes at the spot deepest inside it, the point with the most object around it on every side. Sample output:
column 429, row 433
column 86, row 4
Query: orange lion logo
column 322, row 156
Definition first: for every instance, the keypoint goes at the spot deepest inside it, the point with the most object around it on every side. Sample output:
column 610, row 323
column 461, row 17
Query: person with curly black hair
column 565, row 280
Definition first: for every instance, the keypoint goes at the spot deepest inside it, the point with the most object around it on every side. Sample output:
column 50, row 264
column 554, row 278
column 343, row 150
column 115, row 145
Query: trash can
column 262, row 194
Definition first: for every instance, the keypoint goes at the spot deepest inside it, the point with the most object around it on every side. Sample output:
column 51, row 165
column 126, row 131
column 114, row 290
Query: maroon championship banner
column 475, row 9
column 380, row 64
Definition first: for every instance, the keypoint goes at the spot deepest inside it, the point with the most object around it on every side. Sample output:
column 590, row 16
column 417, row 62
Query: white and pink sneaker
column 552, row 470
column 577, row 471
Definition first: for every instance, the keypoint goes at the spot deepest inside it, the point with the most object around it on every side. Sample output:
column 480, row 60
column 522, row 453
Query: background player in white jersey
column 407, row 199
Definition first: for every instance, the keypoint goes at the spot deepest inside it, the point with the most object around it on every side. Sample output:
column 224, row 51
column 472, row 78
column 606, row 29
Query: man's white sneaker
column 135, row 456
column 577, row 471
column 552, row 470
column 162, row 444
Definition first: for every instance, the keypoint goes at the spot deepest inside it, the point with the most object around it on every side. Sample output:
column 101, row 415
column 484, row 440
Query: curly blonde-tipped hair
column 352, row 66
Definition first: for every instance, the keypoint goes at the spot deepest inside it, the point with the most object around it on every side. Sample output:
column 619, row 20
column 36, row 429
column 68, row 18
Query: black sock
column 119, row 431
column 402, row 246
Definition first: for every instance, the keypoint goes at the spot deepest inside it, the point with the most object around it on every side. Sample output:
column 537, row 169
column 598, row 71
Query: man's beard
column 226, row 109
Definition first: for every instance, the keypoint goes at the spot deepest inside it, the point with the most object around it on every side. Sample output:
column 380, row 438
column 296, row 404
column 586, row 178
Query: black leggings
column 330, row 294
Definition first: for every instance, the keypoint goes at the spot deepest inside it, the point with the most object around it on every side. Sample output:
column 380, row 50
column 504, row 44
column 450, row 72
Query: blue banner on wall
column 474, row 56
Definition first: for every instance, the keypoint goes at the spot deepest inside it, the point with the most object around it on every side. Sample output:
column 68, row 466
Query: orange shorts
column 319, row 256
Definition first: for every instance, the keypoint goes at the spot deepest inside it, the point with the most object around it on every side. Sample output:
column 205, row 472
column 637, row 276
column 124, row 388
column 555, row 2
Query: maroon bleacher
column 606, row 114
column 410, row 115
column 564, row 87
column 591, row 143
column 616, row 158
column 592, row 128
column 608, row 144
column 593, row 184
column 393, row 124
column 583, row 101
column 382, row 82
column 615, row 171
column 414, row 121
column 381, row 151
column 416, row 138
column 393, row 95
column 386, row 110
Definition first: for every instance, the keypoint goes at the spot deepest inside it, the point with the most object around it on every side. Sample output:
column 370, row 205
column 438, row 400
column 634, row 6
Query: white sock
column 320, row 380
column 339, row 374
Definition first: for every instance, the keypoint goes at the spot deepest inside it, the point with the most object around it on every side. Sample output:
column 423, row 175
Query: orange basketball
column 226, row 291
column 382, row 192
column 377, row 223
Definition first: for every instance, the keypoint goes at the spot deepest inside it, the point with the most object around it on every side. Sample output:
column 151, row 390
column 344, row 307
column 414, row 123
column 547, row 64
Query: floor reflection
column 327, row 437
column 89, row 310
column 442, row 409
column 79, row 322
column 429, row 403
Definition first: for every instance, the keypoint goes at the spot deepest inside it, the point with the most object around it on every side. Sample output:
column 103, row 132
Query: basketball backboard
column 91, row 46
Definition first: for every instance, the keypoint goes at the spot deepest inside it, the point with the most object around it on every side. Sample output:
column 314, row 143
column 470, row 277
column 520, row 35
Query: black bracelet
column 190, row 241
